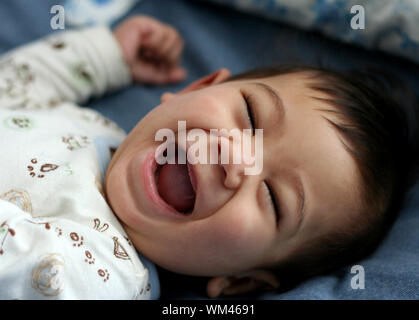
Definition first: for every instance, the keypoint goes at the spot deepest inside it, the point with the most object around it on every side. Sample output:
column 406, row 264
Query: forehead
column 310, row 144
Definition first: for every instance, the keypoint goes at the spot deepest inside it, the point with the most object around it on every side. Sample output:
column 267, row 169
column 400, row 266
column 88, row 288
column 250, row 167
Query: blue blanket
column 388, row 25
column 219, row 37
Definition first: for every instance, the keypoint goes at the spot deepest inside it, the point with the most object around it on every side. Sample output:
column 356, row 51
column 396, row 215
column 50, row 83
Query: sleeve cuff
column 107, row 55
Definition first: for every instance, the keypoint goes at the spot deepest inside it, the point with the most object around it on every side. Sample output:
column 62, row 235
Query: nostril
column 223, row 175
column 224, row 169
column 234, row 175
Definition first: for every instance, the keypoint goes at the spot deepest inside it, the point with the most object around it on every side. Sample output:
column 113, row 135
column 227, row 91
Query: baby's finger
column 175, row 52
column 176, row 74
column 163, row 51
column 151, row 46
column 166, row 52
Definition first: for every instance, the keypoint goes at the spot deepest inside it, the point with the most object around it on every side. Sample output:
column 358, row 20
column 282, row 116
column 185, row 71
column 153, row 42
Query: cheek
column 232, row 237
column 230, row 241
column 232, row 228
column 194, row 106
column 201, row 109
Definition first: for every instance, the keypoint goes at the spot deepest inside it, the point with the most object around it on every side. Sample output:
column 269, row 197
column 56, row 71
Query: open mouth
column 176, row 185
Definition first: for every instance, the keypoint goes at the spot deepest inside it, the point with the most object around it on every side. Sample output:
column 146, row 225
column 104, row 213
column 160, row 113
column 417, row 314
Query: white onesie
column 59, row 239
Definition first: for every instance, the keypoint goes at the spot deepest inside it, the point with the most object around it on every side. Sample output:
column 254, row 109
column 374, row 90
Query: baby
column 337, row 155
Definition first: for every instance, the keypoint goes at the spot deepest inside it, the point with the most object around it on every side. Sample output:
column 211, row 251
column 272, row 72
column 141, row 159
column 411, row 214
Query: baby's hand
column 151, row 49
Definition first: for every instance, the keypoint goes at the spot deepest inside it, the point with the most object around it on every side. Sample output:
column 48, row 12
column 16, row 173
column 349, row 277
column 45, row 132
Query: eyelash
column 268, row 188
column 250, row 116
column 273, row 201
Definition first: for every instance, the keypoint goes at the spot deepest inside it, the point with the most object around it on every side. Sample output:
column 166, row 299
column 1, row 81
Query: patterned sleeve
column 68, row 66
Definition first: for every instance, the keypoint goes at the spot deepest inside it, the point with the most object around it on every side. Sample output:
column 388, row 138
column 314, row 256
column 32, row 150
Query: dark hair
column 378, row 117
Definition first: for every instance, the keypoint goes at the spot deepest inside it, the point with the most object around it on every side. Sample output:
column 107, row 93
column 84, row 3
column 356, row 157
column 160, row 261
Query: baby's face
column 234, row 227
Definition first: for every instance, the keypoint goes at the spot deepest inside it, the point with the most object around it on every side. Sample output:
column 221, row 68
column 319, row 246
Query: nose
column 234, row 168
column 234, row 175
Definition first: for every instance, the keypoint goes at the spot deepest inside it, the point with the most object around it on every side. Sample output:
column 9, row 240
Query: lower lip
column 149, row 168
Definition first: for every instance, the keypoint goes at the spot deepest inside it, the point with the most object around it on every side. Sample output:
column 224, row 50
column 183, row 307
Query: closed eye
column 249, row 110
column 273, row 201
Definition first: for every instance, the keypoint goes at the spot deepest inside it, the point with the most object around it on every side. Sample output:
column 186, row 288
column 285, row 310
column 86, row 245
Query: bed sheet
column 218, row 37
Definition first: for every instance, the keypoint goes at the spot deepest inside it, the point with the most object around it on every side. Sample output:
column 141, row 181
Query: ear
column 204, row 82
column 229, row 285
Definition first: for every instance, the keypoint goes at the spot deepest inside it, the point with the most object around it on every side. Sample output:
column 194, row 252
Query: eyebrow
column 277, row 101
column 296, row 178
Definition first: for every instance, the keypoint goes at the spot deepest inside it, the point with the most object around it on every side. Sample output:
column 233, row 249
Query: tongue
column 174, row 186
